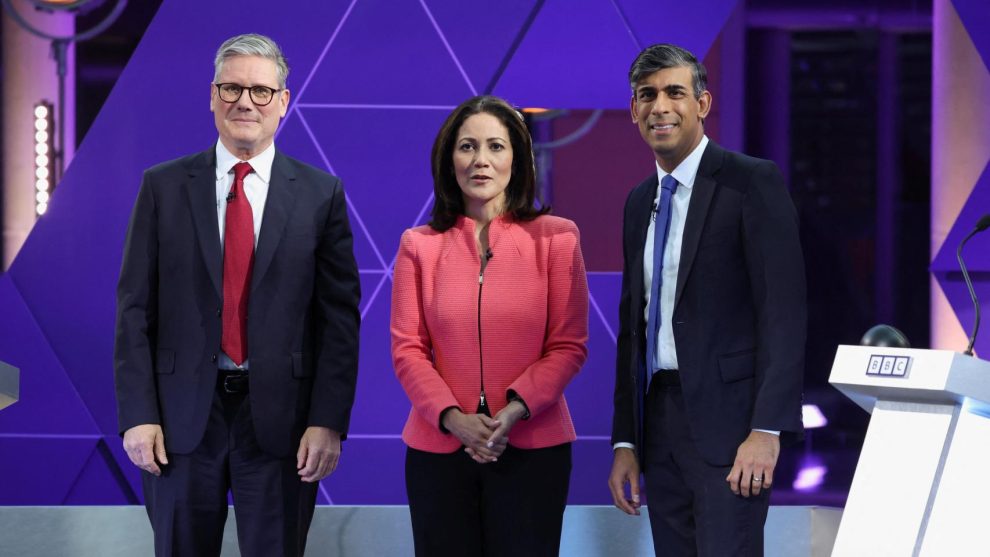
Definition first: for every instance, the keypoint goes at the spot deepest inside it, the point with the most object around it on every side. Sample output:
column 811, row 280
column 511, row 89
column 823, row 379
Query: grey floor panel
column 589, row 531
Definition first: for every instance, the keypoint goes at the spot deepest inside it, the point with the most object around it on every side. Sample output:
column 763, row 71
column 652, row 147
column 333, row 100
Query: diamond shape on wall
column 402, row 60
column 976, row 255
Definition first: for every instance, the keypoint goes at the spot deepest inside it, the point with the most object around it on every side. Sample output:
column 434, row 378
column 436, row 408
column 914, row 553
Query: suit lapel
column 701, row 199
column 277, row 209
column 202, row 190
column 639, row 227
column 647, row 191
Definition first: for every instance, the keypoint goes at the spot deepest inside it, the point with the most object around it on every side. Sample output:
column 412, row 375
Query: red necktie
column 238, row 258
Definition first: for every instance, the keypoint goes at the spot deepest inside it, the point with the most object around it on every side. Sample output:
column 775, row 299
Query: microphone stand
column 981, row 225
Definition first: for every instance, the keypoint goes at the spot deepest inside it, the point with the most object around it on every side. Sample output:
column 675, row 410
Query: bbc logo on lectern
column 893, row 366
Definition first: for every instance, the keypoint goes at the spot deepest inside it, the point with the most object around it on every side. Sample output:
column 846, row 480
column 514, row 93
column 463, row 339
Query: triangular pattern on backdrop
column 571, row 59
column 405, row 61
column 374, row 285
column 97, row 475
column 42, row 470
column 975, row 253
column 377, row 380
column 605, row 288
column 594, row 385
column 297, row 133
column 976, row 18
column 387, row 183
column 482, row 47
column 131, row 473
column 49, row 403
column 958, row 295
column 680, row 23
column 945, row 267
column 294, row 132
column 356, row 482
column 968, row 28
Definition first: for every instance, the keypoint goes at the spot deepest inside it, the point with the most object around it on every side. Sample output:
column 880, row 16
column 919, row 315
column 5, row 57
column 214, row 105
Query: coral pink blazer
column 533, row 318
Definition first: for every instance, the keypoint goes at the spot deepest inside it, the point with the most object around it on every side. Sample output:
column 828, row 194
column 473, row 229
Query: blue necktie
column 661, row 229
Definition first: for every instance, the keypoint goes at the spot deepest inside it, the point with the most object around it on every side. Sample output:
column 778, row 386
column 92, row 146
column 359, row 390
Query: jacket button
column 219, row 312
column 213, row 358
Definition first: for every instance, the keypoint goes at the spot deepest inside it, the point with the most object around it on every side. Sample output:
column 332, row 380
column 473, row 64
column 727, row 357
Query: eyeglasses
column 260, row 95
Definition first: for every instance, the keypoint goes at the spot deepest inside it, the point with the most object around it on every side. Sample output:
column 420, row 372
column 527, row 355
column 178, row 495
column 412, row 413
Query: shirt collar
column 686, row 172
column 261, row 163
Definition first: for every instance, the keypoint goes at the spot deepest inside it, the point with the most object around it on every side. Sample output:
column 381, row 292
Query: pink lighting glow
column 810, row 478
column 812, row 416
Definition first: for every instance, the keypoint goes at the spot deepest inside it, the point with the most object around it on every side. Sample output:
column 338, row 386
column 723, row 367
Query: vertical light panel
column 44, row 156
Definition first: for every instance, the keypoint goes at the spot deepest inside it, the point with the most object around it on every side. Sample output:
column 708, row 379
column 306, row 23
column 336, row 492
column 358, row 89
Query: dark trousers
column 187, row 504
column 513, row 507
column 692, row 511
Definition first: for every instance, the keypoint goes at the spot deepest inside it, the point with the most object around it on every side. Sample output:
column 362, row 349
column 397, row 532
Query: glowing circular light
column 41, row 185
column 41, row 173
column 41, row 137
column 41, row 111
column 42, row 197
column 41, row 160
column 40, row 208
column 41, row 148
column 40, row 125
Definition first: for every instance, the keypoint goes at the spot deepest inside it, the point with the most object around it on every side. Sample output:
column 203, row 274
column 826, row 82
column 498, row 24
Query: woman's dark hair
column 521, row 195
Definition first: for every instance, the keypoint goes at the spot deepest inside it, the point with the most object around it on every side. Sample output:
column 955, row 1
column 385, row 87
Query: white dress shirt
column 255, row 189
column 685, row 173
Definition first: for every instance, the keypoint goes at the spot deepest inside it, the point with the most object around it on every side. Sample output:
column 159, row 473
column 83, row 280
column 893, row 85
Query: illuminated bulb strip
column 44, row 151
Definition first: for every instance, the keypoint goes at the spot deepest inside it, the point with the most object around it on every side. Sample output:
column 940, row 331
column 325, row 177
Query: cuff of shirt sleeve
column 777, row 433
column 629, row 446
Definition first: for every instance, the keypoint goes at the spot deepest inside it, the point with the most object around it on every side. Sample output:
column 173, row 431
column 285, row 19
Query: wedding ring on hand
column 757, row 480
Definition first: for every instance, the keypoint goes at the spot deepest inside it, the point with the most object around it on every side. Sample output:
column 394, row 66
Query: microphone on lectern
column 981, row 225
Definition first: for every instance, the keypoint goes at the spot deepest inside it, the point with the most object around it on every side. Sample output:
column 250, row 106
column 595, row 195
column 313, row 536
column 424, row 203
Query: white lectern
column 9, row 385
column 922, row 484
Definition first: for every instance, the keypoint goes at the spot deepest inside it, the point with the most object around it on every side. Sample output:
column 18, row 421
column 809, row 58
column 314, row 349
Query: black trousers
column 692, row 510
column 187, row 504
column 513, row 507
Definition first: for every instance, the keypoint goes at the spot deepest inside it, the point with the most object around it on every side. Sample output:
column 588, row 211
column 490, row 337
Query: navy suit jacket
column 739, row 318
column 302, row 315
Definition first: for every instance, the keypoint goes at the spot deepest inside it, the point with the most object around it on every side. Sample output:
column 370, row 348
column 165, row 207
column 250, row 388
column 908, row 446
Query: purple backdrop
column 975, row 18
column 371, row 83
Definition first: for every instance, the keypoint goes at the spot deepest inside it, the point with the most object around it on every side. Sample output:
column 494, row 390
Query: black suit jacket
column 302, row 316
column 739, row 319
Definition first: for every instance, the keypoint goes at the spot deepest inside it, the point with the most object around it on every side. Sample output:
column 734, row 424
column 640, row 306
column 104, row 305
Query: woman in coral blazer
column 489, row 324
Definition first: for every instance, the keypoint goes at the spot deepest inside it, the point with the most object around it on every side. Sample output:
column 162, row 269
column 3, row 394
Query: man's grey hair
column 252, row 44
column 662, row 56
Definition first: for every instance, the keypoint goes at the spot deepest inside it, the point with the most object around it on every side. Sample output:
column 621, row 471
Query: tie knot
column 669, row 183
column 241, row 170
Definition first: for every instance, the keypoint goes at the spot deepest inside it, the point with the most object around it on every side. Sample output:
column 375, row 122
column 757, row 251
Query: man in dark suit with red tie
column 712, row 324
column 235, row 358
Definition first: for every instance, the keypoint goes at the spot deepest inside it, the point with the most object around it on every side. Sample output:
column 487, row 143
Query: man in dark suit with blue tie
column 710, row 359
column 237, row 325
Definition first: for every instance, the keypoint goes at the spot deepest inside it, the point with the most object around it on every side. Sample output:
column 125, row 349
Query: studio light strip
column 44, row 156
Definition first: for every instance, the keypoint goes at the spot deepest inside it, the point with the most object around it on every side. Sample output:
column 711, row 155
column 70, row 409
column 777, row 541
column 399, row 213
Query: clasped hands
column 484, row 438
